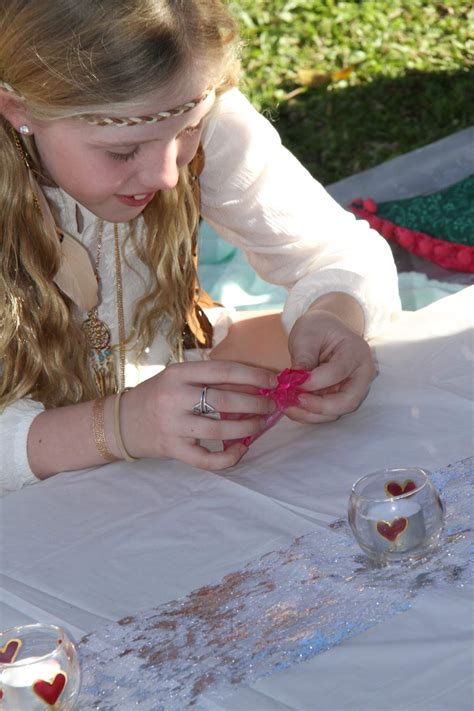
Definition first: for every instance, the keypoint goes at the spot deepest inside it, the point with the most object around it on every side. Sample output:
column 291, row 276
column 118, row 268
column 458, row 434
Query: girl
column 120, row 123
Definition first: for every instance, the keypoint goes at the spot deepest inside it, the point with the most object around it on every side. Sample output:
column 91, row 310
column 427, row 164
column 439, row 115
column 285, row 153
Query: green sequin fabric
column 446, row 215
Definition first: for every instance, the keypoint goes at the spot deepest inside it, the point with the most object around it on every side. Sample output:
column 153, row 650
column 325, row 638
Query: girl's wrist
column 343, row 307
column 113, row 427
column 109, row 431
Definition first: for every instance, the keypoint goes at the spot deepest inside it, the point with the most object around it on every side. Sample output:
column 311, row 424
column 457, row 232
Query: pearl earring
column 25, row 130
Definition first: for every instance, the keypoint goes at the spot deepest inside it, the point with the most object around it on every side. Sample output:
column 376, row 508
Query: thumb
column 303, row 361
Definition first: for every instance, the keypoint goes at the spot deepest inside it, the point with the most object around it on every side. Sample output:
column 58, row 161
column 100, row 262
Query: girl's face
column 114, row 171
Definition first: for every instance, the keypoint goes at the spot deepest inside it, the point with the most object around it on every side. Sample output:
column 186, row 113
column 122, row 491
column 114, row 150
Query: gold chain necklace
column 98, row 333
column 120, row 312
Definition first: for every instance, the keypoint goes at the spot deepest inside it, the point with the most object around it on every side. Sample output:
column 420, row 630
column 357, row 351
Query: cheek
column 81, row 171
column 103, row 174
column 51, row 159
column 61, row 161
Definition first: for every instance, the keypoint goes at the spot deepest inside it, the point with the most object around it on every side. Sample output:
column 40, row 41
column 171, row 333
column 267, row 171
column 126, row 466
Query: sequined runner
column 281, row 609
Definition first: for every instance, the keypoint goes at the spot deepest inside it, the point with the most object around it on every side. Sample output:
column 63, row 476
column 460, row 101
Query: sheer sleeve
column 258, row 196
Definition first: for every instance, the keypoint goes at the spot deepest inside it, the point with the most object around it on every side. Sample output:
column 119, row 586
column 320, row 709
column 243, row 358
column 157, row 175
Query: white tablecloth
column 85, row 548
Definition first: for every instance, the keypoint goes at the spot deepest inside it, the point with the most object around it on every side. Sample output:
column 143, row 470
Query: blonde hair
column 87, row 57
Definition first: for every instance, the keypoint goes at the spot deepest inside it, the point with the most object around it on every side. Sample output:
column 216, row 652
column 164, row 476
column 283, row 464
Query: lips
column 135, row 200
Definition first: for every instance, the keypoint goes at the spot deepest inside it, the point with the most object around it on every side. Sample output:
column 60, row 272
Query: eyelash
column 123, row 156
column 190, row 131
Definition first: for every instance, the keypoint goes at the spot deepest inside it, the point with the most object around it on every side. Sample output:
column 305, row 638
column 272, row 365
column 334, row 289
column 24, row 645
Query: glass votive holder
column 396, row 514
column 39, row 669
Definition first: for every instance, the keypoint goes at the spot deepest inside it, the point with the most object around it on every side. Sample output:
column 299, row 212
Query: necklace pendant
column 97, row 332
column 102, row 359
column 105, row 380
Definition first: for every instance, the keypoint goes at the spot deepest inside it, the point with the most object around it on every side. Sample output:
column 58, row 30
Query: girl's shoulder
column 233, row 118
column 231, row 102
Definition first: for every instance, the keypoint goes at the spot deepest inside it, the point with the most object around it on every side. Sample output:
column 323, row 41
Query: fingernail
column 301, row 365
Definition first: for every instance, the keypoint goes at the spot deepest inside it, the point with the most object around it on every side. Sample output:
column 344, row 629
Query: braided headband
column 99, row 120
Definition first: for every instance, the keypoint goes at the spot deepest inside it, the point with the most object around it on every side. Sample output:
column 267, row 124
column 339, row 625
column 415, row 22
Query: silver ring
column 202, row 407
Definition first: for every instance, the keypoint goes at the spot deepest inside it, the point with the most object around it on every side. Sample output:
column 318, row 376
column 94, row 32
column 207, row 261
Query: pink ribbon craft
column 286, row 394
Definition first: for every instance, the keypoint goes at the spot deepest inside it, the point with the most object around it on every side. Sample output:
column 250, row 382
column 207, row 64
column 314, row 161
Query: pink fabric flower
column 285, row 395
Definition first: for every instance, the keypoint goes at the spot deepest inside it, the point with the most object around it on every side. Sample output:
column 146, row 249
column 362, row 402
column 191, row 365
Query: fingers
column 173, row 430
column 217, row 372
column 333, row 404
column 195, row 455
column 230, row 401
column 309, row 418
column 199, row 427
column 337, row 362
column 329, row 374
column 305, row 361
column 341, row 387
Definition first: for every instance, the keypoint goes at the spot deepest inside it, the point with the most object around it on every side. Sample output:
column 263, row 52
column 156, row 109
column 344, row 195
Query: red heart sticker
column 394, row 488
column 9, row 651
column 50, row 692
column 392, row 529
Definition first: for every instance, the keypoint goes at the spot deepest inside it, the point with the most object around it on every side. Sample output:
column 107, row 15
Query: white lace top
column 260, row 198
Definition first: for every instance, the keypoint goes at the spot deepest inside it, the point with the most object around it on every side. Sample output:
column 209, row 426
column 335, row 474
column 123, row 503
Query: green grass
column 409, row 79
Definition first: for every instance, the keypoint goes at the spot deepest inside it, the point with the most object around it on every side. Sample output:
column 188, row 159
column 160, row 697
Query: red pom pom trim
column 449, row 255
column 370, row 205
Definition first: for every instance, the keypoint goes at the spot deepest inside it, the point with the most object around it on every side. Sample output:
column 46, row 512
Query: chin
column 117, row 215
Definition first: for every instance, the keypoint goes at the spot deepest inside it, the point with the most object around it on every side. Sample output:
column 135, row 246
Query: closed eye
column 189, row 131
column 123, row 156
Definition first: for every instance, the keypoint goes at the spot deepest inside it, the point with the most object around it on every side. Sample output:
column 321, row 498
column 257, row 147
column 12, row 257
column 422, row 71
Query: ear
column 13, row 109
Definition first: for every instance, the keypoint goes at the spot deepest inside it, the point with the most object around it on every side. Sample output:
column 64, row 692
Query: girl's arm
column 62, row 439
column 156, row 421
column 259, row 197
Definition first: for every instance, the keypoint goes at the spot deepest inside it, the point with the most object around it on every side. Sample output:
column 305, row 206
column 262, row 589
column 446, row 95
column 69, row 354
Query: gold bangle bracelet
column 98, row 430
column 118, row 431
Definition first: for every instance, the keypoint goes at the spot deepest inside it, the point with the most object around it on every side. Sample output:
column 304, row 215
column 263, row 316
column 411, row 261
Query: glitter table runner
column 281, row 609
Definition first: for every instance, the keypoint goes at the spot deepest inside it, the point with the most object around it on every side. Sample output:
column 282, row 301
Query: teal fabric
column 213, row 249
column 417, row 291
column 225, row 274
column 227, row 277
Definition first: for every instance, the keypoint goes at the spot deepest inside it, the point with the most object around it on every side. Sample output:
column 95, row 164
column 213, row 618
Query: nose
column 159, row 171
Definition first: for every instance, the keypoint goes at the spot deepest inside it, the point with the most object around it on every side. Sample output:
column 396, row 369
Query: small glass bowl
column 39, row 669
column 396, row 514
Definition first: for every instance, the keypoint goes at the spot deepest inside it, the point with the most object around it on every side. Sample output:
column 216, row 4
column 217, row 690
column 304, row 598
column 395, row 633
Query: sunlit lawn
column 351, row 84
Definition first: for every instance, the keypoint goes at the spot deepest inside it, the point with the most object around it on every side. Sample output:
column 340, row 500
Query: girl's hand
column 340, row 362
column 158, row 420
